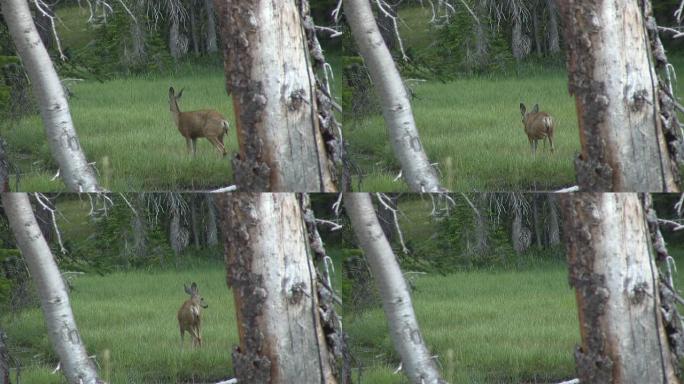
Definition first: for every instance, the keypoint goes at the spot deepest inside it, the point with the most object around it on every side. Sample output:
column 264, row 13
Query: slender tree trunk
column 613, row 80
column 4, row 167
column 553, row 226
column 537, row 30
column 54, row 299
column 613, row 272
column 521, row 236
column 396, row 108
column 536, row 218
column 270, row 270
column 193, row 30
column 194, row 220
column 212, row 229
column 552, row 27
column 396, row 299
column 520, row 44
column 4, row 359
column 211, row 45
column 269, row 73
column 54, row 109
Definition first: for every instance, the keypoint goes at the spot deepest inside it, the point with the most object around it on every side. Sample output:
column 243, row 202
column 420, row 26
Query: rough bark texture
column 613, row 272
column 396, row 107
column 552, row 219
column 269, row 73
column 54, row 109
column 612, row 77
column 212, row 228
column 417, row 361
column 273, row 279
column 54, row 299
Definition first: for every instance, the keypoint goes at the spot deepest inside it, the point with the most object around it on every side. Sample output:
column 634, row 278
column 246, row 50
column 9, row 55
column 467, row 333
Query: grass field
column 500, row 327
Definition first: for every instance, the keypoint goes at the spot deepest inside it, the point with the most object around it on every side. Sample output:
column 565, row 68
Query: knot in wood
column 639, row 100
column 297, row 99
column 297, row 292
column 639, row 293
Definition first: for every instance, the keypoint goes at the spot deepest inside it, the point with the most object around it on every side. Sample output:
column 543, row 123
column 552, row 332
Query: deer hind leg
column 188, row 142
column 194, row 147
column 182, row 334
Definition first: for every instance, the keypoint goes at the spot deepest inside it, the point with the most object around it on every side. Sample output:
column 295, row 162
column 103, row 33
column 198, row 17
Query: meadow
column 486, row 327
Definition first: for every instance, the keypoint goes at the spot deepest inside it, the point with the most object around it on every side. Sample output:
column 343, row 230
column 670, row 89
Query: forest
column 487, row 272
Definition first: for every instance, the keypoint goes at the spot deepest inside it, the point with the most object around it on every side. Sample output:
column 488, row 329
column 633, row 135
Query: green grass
column 132, row 317
column 486, row 328
column 125, row 126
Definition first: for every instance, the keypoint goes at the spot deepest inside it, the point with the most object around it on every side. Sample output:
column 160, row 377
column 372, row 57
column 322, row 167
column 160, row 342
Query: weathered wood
column 614, row 275
column 269, row 73
column 612, row 77
column 271, row 273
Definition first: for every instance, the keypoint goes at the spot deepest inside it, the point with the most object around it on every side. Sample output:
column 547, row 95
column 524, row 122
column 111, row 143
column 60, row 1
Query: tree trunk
column 270, row 270
column 552, row 27
column 211, row 27
column 270, row 75
column 4, row 167
column 552, row 222
column 175, row 39
column 54, row 109
column 417, row 361
column 4, row 359
column 520, row 43
column 537, row 30
column 396, row 108
column 613, row 272
column 212, row 229
column 194, row 220
column 612, row 77
column 193, row 30
column 536, row 218
column 61, row 325
column 521, row 236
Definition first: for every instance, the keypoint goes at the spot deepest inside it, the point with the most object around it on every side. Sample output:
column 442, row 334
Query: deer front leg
column 194, row 147
column 188, row 143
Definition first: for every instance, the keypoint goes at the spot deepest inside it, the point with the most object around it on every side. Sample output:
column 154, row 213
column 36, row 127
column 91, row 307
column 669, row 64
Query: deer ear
column 193, row 287
column 180, row 93
column 522, row 108
column 535, row 109
column 171, row 91
column 187, row 290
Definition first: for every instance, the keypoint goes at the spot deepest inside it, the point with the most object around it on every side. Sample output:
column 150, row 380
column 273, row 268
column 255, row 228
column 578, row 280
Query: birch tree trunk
column 211, row 27
column 612, row 77
column 613, row 272
column 269, row 73
column 77, row 174
column 553, row 35
column 396, row 108
column 396, row 299
column 54, row 299
column 271, row 273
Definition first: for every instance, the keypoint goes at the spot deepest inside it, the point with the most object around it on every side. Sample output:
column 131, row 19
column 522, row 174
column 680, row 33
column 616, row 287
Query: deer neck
column 175, row 112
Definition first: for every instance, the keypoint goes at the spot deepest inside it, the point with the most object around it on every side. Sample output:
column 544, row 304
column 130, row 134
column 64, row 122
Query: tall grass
column 485, row 327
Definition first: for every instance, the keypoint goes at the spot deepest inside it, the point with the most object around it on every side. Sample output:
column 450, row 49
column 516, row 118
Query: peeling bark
column 270, row 270
column 66, row 149
column 612, row 77
column 613, row 273
column 269, row 73
column 54, row 299
column 417, row 361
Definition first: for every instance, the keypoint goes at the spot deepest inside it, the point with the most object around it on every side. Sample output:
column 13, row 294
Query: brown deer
column 203, row 123
column 189, row 315
column 538, row 126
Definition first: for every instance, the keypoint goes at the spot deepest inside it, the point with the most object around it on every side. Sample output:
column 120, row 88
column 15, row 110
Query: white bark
column 613, row 270
column 396, row 108
column 54, row 299
column 271, row 273
column 47, row 88
column 417, row 361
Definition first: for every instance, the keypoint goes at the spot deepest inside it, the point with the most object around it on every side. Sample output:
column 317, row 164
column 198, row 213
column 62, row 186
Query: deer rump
column 541, row 119
column 189, row 320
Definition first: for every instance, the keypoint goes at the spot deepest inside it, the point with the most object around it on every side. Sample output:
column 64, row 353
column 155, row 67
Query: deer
column 538, row 126
column 189, row 315
column 203, row 123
